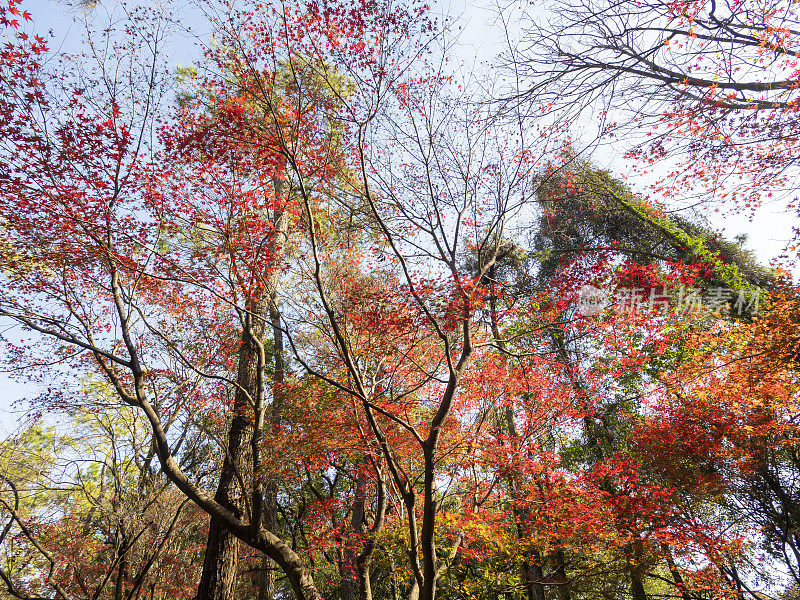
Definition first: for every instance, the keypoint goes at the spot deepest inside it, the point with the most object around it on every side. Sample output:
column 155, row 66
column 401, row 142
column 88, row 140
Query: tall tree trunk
column 349, row 576
column 355, row 568
column 364, row 559
column 635, row 569
column 221, row 561
column 266, row 589
column 676, row 574
column 364, row 584
column 561, row 575
column 119, row 583
column 237, row 486
column 637, row 587
column 413, row 593
column 532, row 573
column 266, row 583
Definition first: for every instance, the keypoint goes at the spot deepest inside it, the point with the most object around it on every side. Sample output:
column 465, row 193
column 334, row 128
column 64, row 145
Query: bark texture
column 241, row 485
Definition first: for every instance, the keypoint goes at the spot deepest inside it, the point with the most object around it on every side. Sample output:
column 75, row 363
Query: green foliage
column 586, row 209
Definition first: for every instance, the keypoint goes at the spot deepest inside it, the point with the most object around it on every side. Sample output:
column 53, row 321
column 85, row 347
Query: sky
column 481, row 37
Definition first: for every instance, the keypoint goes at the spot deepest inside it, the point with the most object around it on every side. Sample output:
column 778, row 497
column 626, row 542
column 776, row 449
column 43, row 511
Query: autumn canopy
column 324, row 315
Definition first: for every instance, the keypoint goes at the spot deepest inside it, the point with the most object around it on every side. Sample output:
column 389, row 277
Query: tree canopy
column 319, row 317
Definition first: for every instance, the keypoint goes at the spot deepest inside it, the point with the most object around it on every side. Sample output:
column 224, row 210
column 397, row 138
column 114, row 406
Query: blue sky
column 480, row 39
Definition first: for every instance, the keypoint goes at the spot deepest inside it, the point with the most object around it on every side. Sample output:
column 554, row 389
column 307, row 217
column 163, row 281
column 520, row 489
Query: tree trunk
column 221, row 561
column 637, row 587
column 676, row 575
column 532, row 573
column 266, row 584
column 266, row 590
column 635, row 569
column 561, row 575
column 236, row 483
column 413, row 593
column 119, row 583
column 364, row 584
column 349, row 568
column 365, row 558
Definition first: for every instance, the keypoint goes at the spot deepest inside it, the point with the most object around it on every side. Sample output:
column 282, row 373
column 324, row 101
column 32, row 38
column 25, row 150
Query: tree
column 734, row 404
column 95, row 177
column 312, row 262
column 595, row 231
column 90, row 517
column 158, row 261
column 710, row 85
